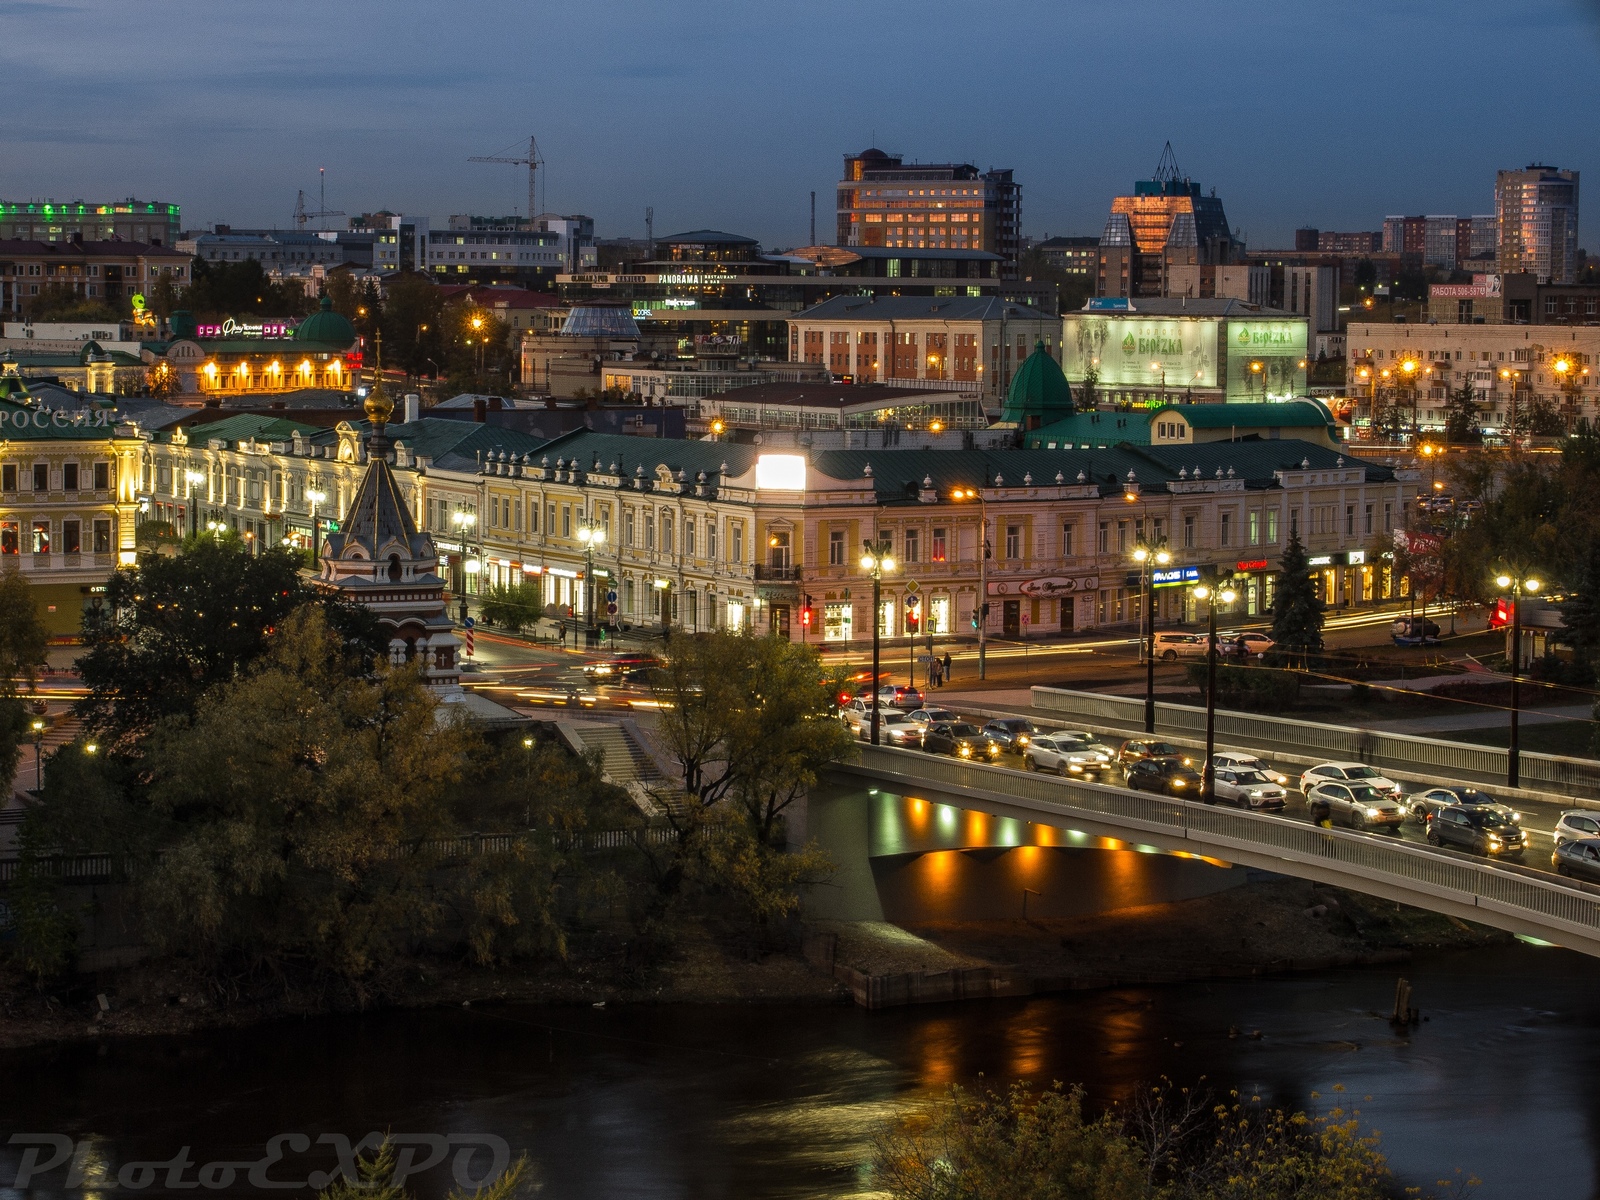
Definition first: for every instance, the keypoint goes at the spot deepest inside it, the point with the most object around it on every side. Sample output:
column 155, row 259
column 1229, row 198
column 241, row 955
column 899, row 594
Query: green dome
column 1039, row 392
column 327, row 327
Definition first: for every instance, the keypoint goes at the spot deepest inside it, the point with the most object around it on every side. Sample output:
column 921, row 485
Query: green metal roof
column 1092, row 429
column 676, row 454
column 1284, row 414
column 1038, row 389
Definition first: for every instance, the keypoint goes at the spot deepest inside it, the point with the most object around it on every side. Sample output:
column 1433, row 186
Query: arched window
column 394, row 570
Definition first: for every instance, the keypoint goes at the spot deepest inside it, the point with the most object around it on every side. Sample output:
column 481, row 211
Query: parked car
column 1135, row 749
column 1414, row 631
column 1247, row 789
column 1357, row 805
column 1478, row 829
column 1168, row 775
column 1170, row 646
column 1579, row 858
column 1355, row 772
column 1576, row 825
column 1423, row 805
column 897, row 696
column 854, row 713
column 923, row 717
column 961, row 739
column 1069, row 753
column 1247, row 642
column 1013, row 733
column 1237, row 761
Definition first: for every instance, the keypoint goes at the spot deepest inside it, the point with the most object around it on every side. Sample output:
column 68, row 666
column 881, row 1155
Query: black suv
column 961, row 740
column 1479, row 829
column 1013, row 733
column 1167, row 775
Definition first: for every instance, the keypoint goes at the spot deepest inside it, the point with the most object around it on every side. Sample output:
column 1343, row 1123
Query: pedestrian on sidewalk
column 946, row 674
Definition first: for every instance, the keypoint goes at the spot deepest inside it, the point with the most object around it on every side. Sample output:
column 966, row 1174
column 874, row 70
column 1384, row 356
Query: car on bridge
column 1423, row 806
column 1478, row 829
column 1579, row 858
column 1232, row 760
column 1577, row 824
column 960, row 739
column 1355, row 772
column 1014, row 733
column 1068, row 753
column 1356, row 804
column 1137, row 749
column 1167, row 774
column 1247, row 789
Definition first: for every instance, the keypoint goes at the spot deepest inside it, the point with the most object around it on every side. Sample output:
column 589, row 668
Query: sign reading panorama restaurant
column 1143, row 352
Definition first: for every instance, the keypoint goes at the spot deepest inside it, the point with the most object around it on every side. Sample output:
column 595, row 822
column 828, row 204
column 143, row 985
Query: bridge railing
column 1399, row 751
column 1420, row 867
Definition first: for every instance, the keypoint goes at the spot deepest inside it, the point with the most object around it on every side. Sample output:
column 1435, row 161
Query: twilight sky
column 727, row 113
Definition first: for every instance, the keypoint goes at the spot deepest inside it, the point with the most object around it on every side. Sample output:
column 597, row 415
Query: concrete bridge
column 921, row 837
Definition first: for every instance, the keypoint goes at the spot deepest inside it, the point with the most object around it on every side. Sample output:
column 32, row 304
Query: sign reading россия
column 45, row 418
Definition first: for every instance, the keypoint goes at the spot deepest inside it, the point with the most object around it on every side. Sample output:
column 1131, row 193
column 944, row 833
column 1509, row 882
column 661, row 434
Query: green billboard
column 1143, row 352
column 1266, row 359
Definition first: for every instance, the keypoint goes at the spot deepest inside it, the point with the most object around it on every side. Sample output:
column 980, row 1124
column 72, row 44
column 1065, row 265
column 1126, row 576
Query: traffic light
column 913, row 613
column 805, row 617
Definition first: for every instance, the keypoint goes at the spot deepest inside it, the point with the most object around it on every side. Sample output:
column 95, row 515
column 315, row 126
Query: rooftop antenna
column 530, row 159
column 1167, row 169
column 650, row 232
column 813, row 240
column 301, row 216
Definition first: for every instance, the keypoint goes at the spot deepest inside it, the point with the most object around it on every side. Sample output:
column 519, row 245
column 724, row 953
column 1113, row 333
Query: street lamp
column 1212, row 594
column 875, row 560
column 1516, row 584
column 316, row 497
column 1149, row 557
column 1409, row 368
column 591, row 536
column 194, row 479
column 959, row 495
column 38, row 750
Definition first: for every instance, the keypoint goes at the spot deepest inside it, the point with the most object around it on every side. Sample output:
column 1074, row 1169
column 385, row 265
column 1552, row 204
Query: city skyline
column 719, row 121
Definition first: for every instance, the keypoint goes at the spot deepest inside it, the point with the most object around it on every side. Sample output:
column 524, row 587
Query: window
column 1272, row 527
column 836, row 548
column 69, row 476
column 1388, row 518
column 566, row 520
column 1294, row 522
column 666, row 532
column 1255, row 527
column 102, row 533
column 41, row 537
column 627, row 529
column 936, row 552
column 9, row 543
column 1013, row 542
column 1066, row 541
column 1349, row 519
column 688, row 538
column 913, row 545
column 102, row 476
column 71, row 537
column 1188, row 533
column 649, row 531
column 711, row 539
column 1225, row 529
column 8, row 477
column 550, row 520
column 533, row 516
column 1103, row 544
column 736, row 541
column 41, row 477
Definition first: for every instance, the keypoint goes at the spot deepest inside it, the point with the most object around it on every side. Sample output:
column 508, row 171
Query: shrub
column 1259, row 689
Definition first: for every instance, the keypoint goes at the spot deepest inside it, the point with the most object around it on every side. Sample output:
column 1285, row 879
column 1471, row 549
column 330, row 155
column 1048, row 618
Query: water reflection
column 779, row 1103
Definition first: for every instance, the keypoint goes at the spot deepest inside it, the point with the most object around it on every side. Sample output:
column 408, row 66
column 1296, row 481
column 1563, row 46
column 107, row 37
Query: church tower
column 380, row 559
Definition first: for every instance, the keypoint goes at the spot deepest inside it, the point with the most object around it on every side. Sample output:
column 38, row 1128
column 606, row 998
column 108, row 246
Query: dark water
column 779, row 1102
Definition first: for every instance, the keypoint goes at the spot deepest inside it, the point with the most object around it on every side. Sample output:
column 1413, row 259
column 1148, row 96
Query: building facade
column 884, row 201
column 1165, row 222
column 1537, row 209
column 108, row 271
column 147, row 222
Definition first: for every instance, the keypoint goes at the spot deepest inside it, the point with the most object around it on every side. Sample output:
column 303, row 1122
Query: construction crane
column 301, row 216
column 530, row 159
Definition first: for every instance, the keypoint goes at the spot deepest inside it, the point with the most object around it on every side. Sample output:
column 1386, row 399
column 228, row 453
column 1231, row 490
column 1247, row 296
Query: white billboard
column 1135, row 351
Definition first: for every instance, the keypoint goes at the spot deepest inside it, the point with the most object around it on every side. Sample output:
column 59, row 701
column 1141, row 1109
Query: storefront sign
column 231, row 328
column 1174, row 576
column 1045, row 588
column 1320, row 560
column 1251, row 564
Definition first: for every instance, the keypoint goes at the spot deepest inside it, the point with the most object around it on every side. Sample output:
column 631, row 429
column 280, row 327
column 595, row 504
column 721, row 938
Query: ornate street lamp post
column 875, row 560
column 1516, row 584
column 1149, row 557
column 1212, row 594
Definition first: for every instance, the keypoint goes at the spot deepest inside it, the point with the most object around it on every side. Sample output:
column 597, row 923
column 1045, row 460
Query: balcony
column 777, row 574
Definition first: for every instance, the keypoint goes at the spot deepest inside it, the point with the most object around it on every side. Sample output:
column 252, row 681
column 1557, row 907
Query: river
column 778, row 1102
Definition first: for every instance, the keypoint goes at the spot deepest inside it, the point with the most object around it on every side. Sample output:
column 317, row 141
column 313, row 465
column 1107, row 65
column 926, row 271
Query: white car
column 1357, row 805
column 923, row 717
column 1071, row 752
column 1577, row 824
column 1355, row 772
column 1230, row 760
column 1247, row 789
column 1170, row 646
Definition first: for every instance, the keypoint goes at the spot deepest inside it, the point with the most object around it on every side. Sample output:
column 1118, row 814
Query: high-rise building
column 1405, row 235
column 1165, row 222
column 129, row 220
column 1538, row 212
column 885, row 201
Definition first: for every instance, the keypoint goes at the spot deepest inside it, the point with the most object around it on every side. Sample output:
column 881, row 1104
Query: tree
column 1580, row 610
column 380, row 1177
column 512, row 606
column 1087, row 397
column 161, row 380
column 63, row 302
column 166, row 297
column 1461, row 416
column 23, row 640
column 176, row 626
column 1538, row 416
column 224, row 289
column 1297, row 610
column 413, row 325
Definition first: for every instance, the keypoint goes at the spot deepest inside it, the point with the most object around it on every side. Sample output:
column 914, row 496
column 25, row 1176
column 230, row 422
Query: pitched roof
column 707, row 237
column 244, row 427
column 676, row 454
column 1250, row 416
column 897, row 475
column 1256, row 460
column 377, row 517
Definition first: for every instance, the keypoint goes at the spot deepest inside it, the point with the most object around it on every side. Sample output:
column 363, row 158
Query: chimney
column 479, row 410
column 413, row 407
column 495, row 404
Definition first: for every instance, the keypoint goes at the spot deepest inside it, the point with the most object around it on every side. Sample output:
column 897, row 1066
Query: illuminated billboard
column 1266, row 359
column 1143, row 352
column 781, row 472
